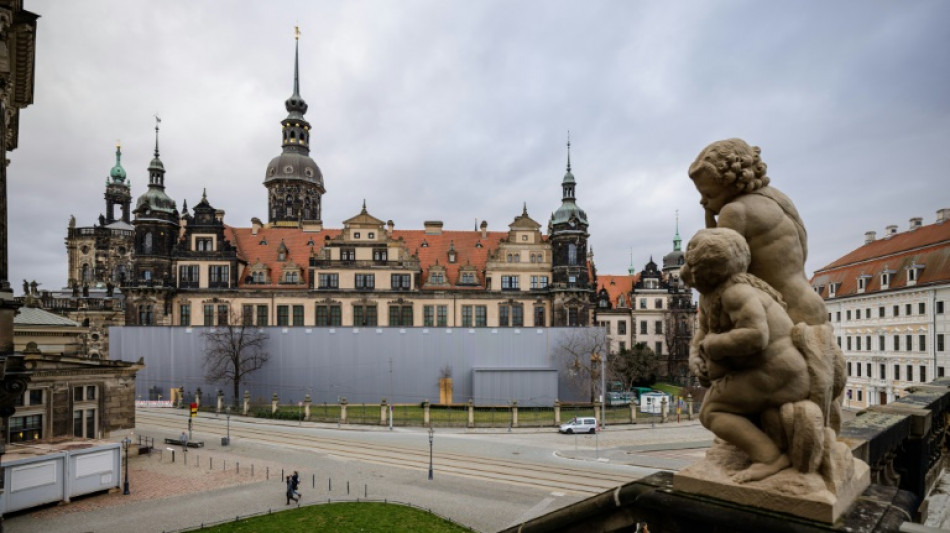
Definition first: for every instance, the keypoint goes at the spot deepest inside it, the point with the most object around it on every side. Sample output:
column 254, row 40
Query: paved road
column 484, row 479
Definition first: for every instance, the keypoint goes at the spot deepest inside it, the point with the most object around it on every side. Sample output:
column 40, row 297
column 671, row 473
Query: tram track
column 565, row 478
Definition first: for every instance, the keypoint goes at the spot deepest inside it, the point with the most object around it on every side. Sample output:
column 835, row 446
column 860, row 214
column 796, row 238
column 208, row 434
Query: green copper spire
column 677, row 241
column 117, row 174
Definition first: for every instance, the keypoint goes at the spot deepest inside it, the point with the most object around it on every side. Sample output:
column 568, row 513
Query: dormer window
column 425, row 244
column 863, row 282
column 347, row 254
column 478, row 244
column 832, row 289
column 281, row 256
column 379, row 254
column 371, row 235
column 452, row 256
column 356, row 235
column 913, row 273
column 204, row 244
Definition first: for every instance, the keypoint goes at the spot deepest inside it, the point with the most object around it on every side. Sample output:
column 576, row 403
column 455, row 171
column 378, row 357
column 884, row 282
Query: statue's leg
column 739, row 431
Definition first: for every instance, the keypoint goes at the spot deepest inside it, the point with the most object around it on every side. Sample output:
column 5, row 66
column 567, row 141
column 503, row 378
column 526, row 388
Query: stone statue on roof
column 764, row 348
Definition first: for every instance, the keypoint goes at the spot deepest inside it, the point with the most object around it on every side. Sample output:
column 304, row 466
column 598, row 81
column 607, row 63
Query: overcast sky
column 457, row 111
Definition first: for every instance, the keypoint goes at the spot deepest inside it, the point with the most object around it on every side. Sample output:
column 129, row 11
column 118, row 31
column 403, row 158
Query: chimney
column 389, row 227
column 943, row 215
column 890, row 230
column 869, row 236
column 433, row 227
column 256, row 225
column 915, row 223
column 484, row 227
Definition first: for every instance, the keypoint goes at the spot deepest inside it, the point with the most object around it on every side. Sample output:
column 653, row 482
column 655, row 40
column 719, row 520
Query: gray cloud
column 460, row 110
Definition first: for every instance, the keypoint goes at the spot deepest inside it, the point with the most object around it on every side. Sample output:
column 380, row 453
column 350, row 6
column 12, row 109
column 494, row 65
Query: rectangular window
column 204, row 244
column 857, row 314
column 643, row 303
column 188, row 276
column 860, row 394
column 517, row 316
column 365, row 281
column 659, row 327
column 849, row 368
column 897, row 343
column 428, row 316
column 849, row 343
column 329, row 281
column 659, row 348
column 218, row 276
column 572, row 319
column 923, row 374
column 880, row 342
column 910, row 373
column 283, row 315
column 882, row 371
column 922, row 343
column 643, row 327
column 329, row 315
column 400, row 315
column 867, row 368
column 940, row 372
column 442, row 315
column 837, row 316
column 247, row 315
column 509, row 283
column 847, row 315
column 880, row 312
column 621, row 328
column 347, row 254
column 379, row 255
column 26, row 428
column 623, row 346
column 867, row 343
column 897, row 311
column 503, row 316
column 466, row 316
column 223, row 315
column 940, row 342
column 364, row 315
column 208, row 314
column 897, row 372
column 262, row 315
column 401, row 282
column 909, row 342
column 539, row 316
column 940, row 307
column 922, row 308
column 481, row 316
column 857, row 341
column 298, row 315
column 184, row 315
column 907, row 309
column 857, row 366
column 658, row 303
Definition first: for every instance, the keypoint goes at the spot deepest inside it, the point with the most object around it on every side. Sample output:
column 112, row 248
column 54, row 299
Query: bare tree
column 679, row 319
column 232, row 352
column 637, row 366
column 581, row 352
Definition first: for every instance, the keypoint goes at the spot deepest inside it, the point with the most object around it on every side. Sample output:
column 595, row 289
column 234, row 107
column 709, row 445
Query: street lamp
column 431, row 436
column 126, row 443
column 227, row 440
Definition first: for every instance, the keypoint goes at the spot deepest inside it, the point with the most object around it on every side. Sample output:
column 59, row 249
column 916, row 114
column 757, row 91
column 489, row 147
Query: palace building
column 886, row 301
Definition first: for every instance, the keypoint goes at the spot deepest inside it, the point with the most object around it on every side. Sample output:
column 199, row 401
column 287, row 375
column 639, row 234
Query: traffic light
column 194, row 410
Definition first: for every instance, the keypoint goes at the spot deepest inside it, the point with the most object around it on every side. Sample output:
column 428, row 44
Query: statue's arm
column 734, row 215
column 750, row 333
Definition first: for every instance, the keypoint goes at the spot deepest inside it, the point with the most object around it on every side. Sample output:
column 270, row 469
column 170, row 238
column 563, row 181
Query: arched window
column 86, row 273
column 509, row 258
column 145, row 315
column 147, row 243
column 572, row 254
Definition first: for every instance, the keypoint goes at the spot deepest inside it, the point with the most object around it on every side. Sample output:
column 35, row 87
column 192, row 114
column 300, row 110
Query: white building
column 886, row 301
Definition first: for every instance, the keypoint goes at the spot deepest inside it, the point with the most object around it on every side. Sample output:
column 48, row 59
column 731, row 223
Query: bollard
column 365, row 491
column 252, row 469
column 238, row 466
column 347, row 488
column 313, row 482
column 225, row 465
column 173, row 456
column 211, row 463
column 268, row 472
column 330, row 484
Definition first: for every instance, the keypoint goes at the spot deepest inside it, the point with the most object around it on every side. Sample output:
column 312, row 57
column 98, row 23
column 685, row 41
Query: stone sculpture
column 764, row 348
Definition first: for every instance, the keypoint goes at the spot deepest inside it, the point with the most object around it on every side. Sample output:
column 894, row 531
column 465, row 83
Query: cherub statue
column 735, row 192
column 742, row 350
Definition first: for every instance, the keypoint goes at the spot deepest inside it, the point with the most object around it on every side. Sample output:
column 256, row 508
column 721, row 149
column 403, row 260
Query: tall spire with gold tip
column 118, row 192
column 293, row 180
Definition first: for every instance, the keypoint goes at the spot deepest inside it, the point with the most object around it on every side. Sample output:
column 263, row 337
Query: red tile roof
column 264, row 245
column 928, row 246
column 617, row 285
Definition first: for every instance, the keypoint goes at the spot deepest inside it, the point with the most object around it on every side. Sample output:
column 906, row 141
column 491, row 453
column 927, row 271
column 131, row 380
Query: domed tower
column 293, row 180
column 567, row 232
column 156, row 227
column 118, row 193
column 673, row 262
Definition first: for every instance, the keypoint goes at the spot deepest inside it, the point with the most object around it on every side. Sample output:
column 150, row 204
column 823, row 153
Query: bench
column 191, row 443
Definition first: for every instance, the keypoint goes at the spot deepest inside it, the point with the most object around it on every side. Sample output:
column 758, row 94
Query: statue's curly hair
column 736, row 163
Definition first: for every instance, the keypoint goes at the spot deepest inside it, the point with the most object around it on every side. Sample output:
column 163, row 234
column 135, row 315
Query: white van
column 579, row 425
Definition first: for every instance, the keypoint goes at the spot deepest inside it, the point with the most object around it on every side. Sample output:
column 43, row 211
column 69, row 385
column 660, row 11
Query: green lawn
column 365, row 517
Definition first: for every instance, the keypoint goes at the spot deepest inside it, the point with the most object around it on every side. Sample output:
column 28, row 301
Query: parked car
column 580, row 424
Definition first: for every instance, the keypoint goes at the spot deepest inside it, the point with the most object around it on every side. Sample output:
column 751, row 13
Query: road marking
column 533, row 512
column 558, row 494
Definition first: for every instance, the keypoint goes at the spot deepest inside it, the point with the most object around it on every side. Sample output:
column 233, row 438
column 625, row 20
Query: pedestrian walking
column 183, row 439
column 290, row 491
column 295, row 483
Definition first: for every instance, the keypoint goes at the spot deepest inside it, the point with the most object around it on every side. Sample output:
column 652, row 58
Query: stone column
column 273, row 403
column 689, row 406
column 383, row 408
column 557, row 412
column 471, row 413
column 306, row 407
column 247, row 401
column 665, row 410
column 425, row 414
column 633, row 412
column 220, row 404
column 514, row 414
column 343, row 410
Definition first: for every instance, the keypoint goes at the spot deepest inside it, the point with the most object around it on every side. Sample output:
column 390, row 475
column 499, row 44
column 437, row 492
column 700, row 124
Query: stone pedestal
column 791, row 492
